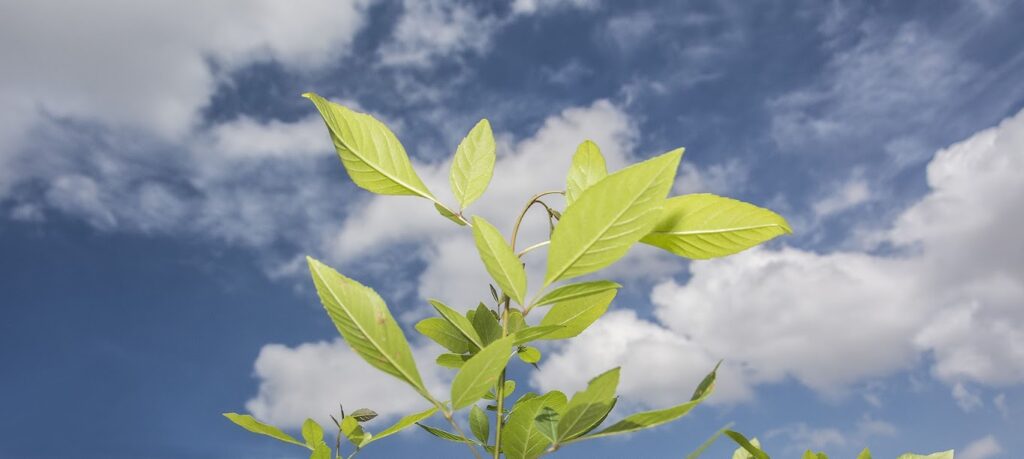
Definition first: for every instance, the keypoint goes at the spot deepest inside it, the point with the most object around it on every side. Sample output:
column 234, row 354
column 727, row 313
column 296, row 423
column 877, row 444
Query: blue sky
column 161, row 181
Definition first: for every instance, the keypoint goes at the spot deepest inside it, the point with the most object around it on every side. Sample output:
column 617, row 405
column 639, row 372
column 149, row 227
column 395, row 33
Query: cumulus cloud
column 982, row 448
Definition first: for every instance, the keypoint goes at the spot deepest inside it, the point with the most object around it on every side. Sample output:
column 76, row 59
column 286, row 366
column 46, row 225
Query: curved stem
column 530, row 248
column 519, row 220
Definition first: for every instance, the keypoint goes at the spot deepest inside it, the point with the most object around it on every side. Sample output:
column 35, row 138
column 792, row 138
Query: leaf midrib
column 716, row 231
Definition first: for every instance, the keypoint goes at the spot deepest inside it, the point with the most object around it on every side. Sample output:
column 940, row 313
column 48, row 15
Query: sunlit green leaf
column 500, row 260
column 588, row 407
column 529, row 334
column 520, row 437
column 370, row 152
column 354, row 432
column 444, row 333
column 529, row 354
column 941, row 455
column 480, row 373
column 443, row 434
column 312, row 433
column 365, row 322
column 459, row 321
column 609, row 217
column 405, row 422
column 473, row 164
column 588, row 167
column 363, row 414
column 865, row 454
column 813, row 455
column 516, row 321
column 486, row 325
column 479, row 424
column 321, row 451
column 574, row 291
column 705, row 226
column 749, row 449
column 510, row 387
column 253, row 425
column 452, row 360
column 547, row 423
column 449, row 215
column 577, row 314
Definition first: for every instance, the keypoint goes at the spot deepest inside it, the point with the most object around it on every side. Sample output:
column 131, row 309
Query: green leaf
column 452, row 360
column 520, row 437
column 354, row 432
column 500, row 260
column 449, row 215
column 312, row 433
column 547, row 423
column 574, row 291
column 443, row 434
column 473, row 164
column 588, row 407
column 365, row 322
column 749, row 449
column 577, row 314
column 510, row 387
column 479, row 424
column 609, row 217
column 459, row 321
column 865, row 454
column 941, row 455
column 516, row 321
column 703, row 226
column 704, row 388
column 707, row 443
column 363, row 414
column 813, row 455
column 527, row 335
column 588, row 167
column 654, row 418
column 480, row 373
column 321, row 451
column 529, row 354
column 405, row 422
column 444, row 333
column 370, row 152
column 254, row 425
column 486, row 325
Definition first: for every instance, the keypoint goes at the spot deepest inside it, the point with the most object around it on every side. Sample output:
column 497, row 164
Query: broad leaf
column 370, row 152
column 486, row 325
column 703, row 226
column 254, row 425
column 516, row 321
column 520, row 437
column 749, row 449
column 510, row 387
column 609, row 217
column 321, row 451
column 443, row 434
column 365, row 322
column 588, row 167
column 354, row 432
column 459, row 321
column 588, row 407
column 529, row 354
column 501, row 262
column 480, row 373
column 547, row 423
column 312, row 433
column 363, row 414
column 576, row 314
column 529, row 334
column 405, row 422
column 578, row 290
column 473, row 164
column 451, row 360
column 480, row 424
column 941, row 455
column 444, row 333
column 813, row 455
column 865, row 454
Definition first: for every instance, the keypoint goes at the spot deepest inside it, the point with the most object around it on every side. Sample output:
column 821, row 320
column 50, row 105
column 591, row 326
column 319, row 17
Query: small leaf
column 703, row 226
column 480, row 373
column 941, row 455
column 365, row 322
column 353, row 431
column 588, row 167
column 486, row 325
column 529, row 354
column 461, row 323
column 577, row 314
column 520, row 437
column 312, row 433
column 749, row 449
column 865, row 454
column 527, row 335
column 254, row 425
column 449, row 215
column 516, row 321
column 321, row 451
column 406, row 422
column 704, row 388
column 609, row 217
column 547, row 423
column 443, row 434
column 510, row 387
column 444, row 333
column 473, row 164
column 452, row 360
column 500, row 260
column 574, row 291
column 370, row 152
column 363, row 414
column 479, row 424
column 588, row 407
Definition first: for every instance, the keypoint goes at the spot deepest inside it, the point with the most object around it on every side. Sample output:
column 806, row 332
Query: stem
column 519, row 220
column 530, row 248
column 458, row 430
column 500, row 390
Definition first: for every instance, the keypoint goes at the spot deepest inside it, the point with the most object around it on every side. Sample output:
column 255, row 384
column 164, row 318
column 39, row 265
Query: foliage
column 604, row 216
column 751, row 449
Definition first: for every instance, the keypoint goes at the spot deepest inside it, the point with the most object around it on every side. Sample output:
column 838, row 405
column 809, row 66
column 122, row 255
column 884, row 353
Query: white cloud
column 429, row 29
column 965, row 399
column 802, row 436
column 248, row 138
column 850, row 194
column 982, row 448
column 311, row 379
column 534, row 6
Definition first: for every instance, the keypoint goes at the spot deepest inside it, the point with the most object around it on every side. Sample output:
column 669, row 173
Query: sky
column 161, row 182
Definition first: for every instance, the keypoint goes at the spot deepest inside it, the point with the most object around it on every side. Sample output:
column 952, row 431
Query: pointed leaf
column 365, row 322
column 578, row 290
column 321, row 451
column 609, row 217
column 254, row 425
column 589, row 406
column 312, row 433
column 588, row 167
column 452, row 360
column 941, row 455
column 354, row 432
column 516, row 321
column 473, row 164
column 703, row 226
column 459, row 321
column 449, row 215
column 749, row 449
column 510, row 387
column 527, row 335
column 479, row 424
column 520, row 437
column 443, row 434
column 406, row 422
column 865, row 454
column 529, row 354
column 370, row 152
column 577, row 314
column 486, row 325
column 480, row 373
column 501, row 262
column 363, row 414
column 444, row 333
column 547, row 423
